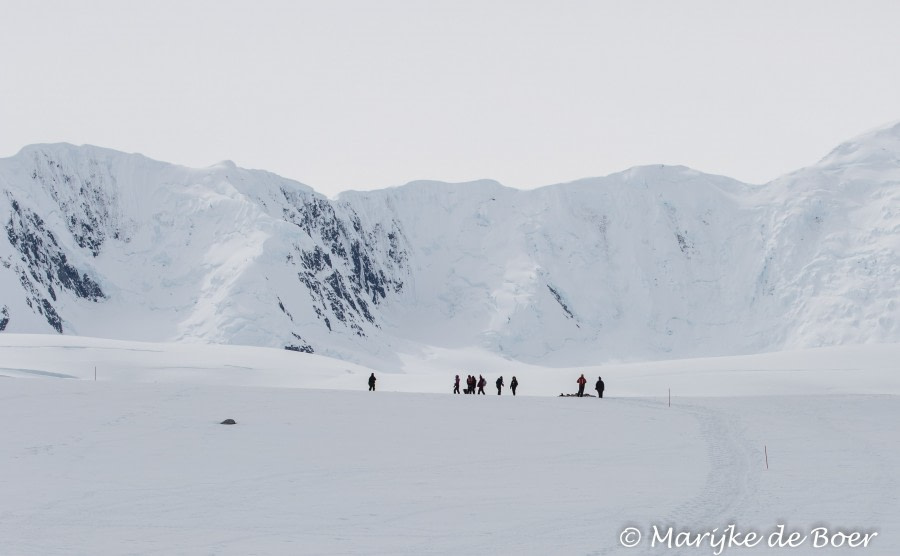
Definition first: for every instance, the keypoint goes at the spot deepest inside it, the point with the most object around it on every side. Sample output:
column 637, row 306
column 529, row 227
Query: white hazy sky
column 366, row 94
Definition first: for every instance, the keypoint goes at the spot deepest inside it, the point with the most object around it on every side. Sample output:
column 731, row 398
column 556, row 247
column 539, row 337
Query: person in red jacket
column 581, row 382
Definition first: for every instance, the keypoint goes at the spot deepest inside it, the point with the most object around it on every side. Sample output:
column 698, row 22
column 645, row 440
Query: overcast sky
column 361, row 95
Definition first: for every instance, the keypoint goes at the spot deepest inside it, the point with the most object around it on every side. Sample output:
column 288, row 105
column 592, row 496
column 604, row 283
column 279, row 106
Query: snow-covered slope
column 654, row 262
column 832, row 259
column 106, row 244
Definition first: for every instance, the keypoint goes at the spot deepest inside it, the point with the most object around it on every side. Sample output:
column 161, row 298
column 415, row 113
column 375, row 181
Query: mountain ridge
column 654, row 261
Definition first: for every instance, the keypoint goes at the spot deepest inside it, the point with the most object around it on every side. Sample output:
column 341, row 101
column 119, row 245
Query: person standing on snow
column 456, row 385
column 599, row 387
column 499, row 385
column 581, row 382
column 470, row 384
column 513, row 384
column 372, row 383
column 481, row 384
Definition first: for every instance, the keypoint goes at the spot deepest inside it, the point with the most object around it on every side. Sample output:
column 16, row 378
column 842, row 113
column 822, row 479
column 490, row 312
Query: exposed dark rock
column 315, row 261
column 686, row 246
column 52, row 317
column 44, row 269
column 228, row 422
column 303, row 346
column 364, row 276
column 42, row 255
column 559, row 300
column 36, row 301
column 347, row 270
column 86, row 198
column 284, row 310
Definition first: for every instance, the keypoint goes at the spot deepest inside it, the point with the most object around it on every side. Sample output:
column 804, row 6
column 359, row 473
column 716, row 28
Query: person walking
column 372, row 383
column 513, row 384
column 499, row 385
column 481, row 384
column 599, row 387
column 470, row 385
column 581, row 382
column 456, row 385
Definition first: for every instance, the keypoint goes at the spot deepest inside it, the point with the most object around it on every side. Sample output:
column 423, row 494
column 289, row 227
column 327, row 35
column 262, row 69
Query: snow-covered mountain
column 653, row 262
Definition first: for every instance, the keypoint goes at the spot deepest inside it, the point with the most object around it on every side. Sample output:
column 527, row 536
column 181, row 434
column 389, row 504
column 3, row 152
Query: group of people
column 472, row 383
column 480, row 383
column 599, row 387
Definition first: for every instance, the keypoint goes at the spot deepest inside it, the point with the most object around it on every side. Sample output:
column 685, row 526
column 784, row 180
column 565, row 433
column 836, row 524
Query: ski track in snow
column 729, row 478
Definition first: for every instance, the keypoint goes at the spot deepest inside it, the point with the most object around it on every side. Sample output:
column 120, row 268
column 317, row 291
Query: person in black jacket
column 599, row 387
column 456, row 385
column 499, row 385
column 372, row 383
column 513, row 385
column 481, row 384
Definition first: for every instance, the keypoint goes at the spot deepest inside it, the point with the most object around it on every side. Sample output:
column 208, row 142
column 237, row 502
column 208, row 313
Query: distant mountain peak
column 877, row 148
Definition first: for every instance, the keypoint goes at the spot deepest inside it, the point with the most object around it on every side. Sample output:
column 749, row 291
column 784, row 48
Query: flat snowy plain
column 136, row 462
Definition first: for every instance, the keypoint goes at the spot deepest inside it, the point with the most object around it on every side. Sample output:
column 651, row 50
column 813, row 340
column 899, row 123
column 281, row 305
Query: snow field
column 868, row 369
column 136, row 462
column 117, row 468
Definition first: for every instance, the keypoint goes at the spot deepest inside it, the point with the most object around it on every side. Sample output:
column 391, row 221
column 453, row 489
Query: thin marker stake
column 670, row 397
column 95, row 374
column 766, row 449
